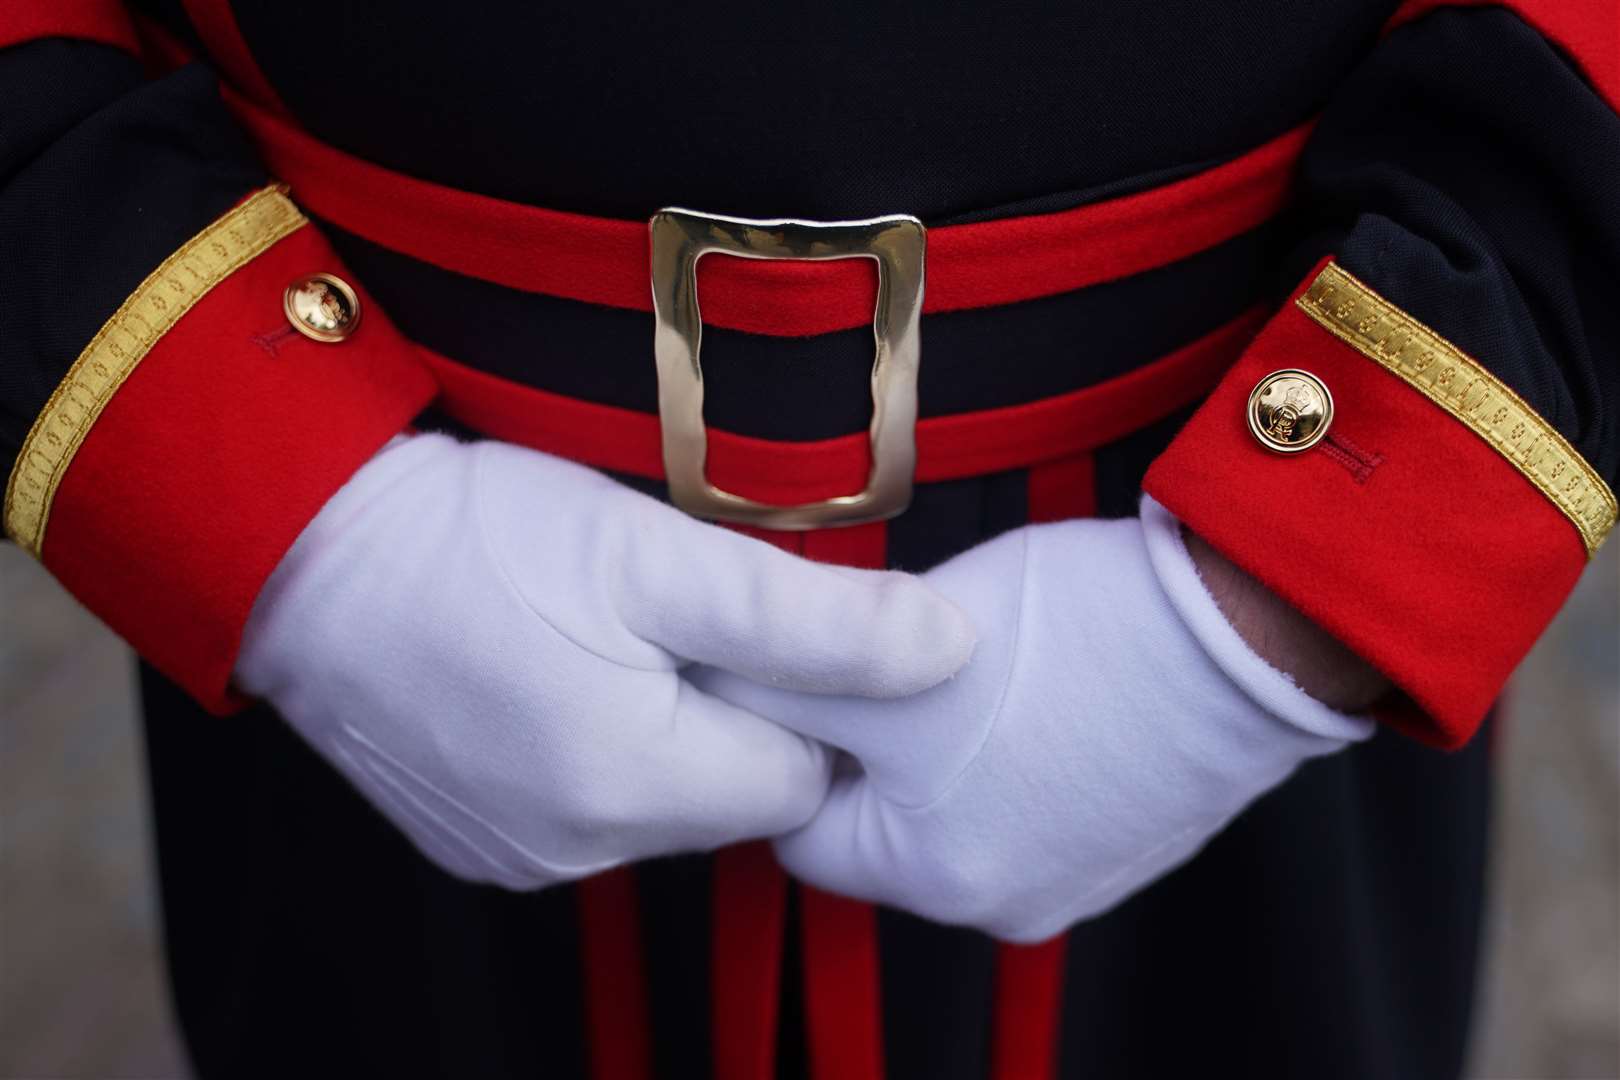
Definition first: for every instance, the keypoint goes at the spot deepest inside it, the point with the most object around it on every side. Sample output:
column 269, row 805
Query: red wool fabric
column 104, row 21
column 1441, row 565
column 948, row 447
column 606, row 260
column 842, row 995
column 1589, row 30
column 749, row 911
column 843, row 1006
column 1028, row 1010
column 618, row 1032
column 842, row 990
column 216, row 26
column 204, row 467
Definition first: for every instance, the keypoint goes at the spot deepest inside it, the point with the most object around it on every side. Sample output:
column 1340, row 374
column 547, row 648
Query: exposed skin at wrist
column 1322, row 666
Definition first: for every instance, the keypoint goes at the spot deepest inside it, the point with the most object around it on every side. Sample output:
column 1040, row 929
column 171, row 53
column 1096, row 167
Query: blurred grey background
column 81, row 984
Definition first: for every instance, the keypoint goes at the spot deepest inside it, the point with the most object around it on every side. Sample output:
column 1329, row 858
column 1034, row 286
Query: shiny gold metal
column 1351, row 311
column 322, row 306
column 679, row 239
column 1290, row 410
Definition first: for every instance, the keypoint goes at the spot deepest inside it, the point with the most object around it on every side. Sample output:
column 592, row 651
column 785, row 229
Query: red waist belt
column 948, row 447
column 605, row 261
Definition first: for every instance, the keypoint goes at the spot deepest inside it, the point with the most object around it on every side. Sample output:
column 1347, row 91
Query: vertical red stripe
column 750, row 903
column 215, row 24
column 748, row 908
column 1029, row 987
column 842, row 1007
column 842, row 1021
column 1029, row 978
column 842, row 996
column 618, row 1034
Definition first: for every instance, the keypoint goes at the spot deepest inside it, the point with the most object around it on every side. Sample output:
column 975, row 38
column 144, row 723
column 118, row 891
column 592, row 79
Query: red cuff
column 206, row 463
column 1408, row 532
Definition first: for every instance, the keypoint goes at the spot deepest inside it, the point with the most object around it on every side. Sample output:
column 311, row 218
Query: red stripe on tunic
column 749, row 906
column 1029, row 996
column 216, row 26
column 843, row 1011
column 617, row 1030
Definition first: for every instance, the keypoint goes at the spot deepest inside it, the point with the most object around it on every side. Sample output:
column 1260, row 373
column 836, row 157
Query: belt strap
column 948, row 447
column 605, row 260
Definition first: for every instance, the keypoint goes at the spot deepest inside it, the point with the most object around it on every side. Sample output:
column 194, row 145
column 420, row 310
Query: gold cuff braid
column 1351, row 311
column 151, row 310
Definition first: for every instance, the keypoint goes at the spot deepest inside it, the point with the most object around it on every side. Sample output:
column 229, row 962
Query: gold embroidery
column 123, row 341
column 1358, row 316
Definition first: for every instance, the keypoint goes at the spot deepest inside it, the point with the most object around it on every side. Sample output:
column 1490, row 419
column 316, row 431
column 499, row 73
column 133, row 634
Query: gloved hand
column 488, row 642
column 1110, row 722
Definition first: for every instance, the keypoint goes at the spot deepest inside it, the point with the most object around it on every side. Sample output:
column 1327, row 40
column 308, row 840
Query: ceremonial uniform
column 245, row 245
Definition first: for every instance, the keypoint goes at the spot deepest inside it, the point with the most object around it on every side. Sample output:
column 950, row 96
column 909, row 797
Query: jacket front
column 1133, row 213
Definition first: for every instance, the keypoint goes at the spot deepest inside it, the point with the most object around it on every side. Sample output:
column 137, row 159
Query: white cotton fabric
column 489, row 643
column 1110, row 722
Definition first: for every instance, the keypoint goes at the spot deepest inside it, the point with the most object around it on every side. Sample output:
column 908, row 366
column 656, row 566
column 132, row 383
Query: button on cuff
column 322, row 307
column 1289, row 411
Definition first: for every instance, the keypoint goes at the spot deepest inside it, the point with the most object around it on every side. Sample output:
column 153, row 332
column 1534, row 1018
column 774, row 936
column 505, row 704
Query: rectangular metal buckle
column 679, row 239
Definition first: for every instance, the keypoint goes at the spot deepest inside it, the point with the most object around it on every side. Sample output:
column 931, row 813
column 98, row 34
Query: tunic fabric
column 1460, row 159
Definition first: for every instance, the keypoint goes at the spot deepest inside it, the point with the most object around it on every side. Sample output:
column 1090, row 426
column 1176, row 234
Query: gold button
column 1290, row 411
column 322, row 306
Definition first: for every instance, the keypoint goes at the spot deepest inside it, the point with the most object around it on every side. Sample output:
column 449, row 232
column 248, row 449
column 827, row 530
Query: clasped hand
column 1109, row 723
column 491, row 645
column 537, row 673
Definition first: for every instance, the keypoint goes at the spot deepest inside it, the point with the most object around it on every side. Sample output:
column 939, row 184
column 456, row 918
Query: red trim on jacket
column 1589, row 30
column 843, row 992
column 216, row 26
column 1440, row 565
column 1026, row 1026
column 839, row 955
column 748, row 910
column 605, row 260
column 747, row 917
column 843, row 1008
column 207, row 463
column 618, row 1030
column 948, row 447
column 103, row 21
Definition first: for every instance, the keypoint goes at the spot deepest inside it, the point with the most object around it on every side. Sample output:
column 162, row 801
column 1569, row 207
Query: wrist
column 1258, row 660
column 1319, row 663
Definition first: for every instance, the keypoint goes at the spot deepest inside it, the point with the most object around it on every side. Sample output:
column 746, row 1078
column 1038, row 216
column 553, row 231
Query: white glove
column 1110, row 722
column 488, row 641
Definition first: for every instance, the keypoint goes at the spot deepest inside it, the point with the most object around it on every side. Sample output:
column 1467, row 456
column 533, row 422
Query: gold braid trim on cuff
column 1351, row 311
column 151, row 310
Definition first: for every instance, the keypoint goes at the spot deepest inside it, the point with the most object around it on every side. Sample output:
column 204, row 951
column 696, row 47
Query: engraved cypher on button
column 1290, row 411
column 322, row 306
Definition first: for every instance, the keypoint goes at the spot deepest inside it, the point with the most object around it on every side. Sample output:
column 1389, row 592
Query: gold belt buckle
column 679, row 239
